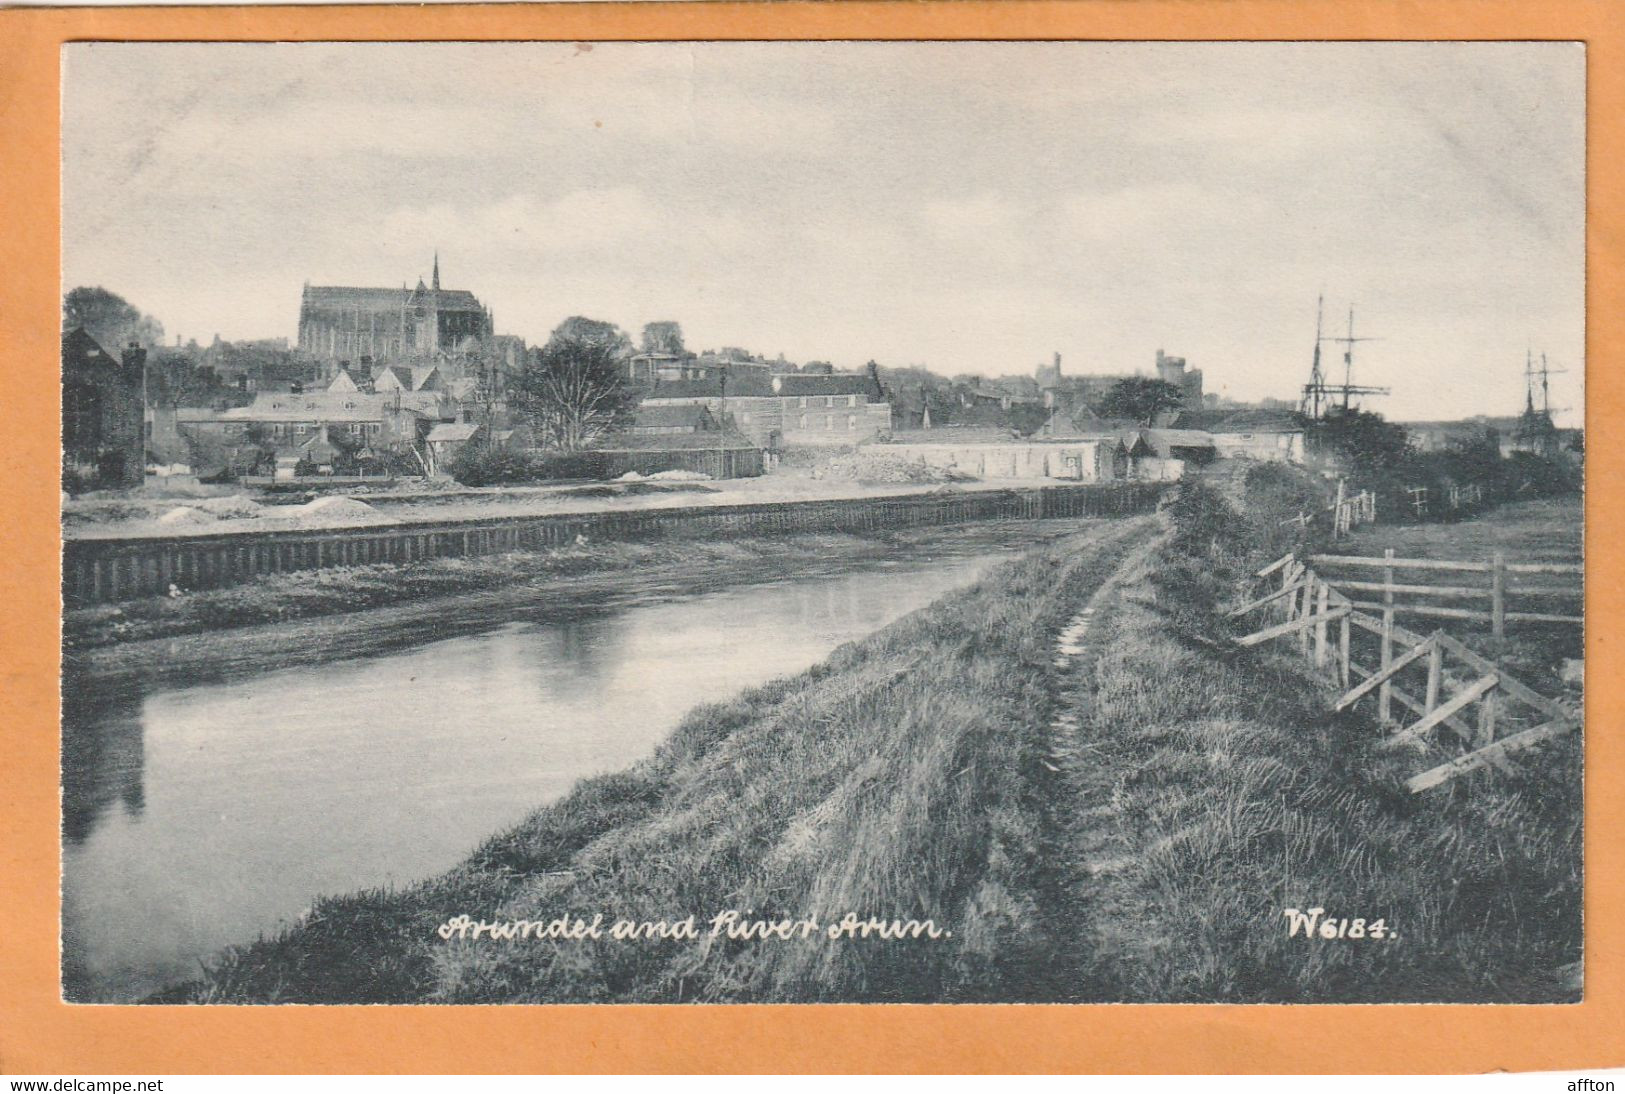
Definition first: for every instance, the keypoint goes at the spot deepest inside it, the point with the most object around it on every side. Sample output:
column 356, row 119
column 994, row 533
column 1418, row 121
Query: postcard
column 1015, row 527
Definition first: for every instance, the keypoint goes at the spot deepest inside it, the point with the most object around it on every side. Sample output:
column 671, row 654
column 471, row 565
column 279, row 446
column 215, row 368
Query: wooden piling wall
column 102, row 570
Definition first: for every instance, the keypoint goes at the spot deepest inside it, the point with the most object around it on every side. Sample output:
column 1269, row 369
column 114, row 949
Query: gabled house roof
column 393, row 376
column 1165, row 441
column 79, row 348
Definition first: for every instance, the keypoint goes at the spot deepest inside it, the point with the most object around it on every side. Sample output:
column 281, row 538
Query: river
column 202, row 813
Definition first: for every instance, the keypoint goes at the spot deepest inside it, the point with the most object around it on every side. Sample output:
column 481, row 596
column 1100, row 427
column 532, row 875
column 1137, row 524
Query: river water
column 201, row 814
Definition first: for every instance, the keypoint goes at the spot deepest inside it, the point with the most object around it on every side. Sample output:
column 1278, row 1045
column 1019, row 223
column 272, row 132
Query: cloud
column 1153, row 207
column 579, row 221
column 619, row 226
column 971, row 219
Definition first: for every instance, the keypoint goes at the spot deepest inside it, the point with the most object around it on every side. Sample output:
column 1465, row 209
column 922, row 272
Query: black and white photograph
column 822, row 522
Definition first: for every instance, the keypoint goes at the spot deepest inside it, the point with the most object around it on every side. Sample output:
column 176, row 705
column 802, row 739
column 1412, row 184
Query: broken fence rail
column 1476, row 707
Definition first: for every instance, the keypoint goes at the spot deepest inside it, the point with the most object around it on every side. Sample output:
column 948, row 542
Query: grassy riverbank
column 1206, row 790
column 896, row 779
column 1128, row 823
column 313, row 594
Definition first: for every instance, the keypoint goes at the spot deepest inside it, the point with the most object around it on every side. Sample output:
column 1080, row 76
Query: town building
column 777, row 410
column 445, row 440
column 103, row 431
column 1250, row 433
column 1080, row 460
column 382, row 419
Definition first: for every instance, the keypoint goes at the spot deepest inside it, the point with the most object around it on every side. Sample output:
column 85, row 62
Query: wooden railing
column 1345, row 514
column 1349, row 512
column 1470, row 708
column 1504, row 581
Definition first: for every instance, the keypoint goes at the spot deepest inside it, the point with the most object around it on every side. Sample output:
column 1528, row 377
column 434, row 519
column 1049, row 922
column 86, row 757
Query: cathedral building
column 343, row 323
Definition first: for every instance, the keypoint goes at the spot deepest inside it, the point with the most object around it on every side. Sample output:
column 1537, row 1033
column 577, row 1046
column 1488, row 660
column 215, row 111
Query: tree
column 1367, row 442
column 580, row 329
column 664, row 336
column 1026, row 418
column 109, row 318
column 574, row 390
column 1140, row 398
column 174, row 379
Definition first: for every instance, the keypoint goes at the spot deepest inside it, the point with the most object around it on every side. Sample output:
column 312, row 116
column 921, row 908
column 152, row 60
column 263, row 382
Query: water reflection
column 103, row 761
column 196, row 816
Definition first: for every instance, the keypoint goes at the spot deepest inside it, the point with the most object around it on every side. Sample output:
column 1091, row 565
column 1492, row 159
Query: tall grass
column 898, row 779
column 1130, row 827
column 1208, row 790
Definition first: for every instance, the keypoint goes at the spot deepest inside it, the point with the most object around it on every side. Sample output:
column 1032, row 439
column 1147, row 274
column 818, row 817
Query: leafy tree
column 1365, row 441
column 573, row 391
column 818, row 368
column 664, row 336
column 1140, row 398
column 109, row 318
column 1026, row 418
column 912, row 391
column 175, row 379
column 581, row 330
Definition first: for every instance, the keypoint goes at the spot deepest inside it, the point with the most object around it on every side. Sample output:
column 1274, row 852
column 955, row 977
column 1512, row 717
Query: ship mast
column 1318, row 395
column 1317, row 379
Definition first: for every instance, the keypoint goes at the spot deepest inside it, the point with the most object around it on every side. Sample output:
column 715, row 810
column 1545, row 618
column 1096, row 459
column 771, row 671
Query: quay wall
column 99, row 571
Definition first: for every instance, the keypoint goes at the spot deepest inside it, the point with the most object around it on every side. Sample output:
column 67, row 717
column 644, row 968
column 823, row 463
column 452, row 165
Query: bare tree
column 573, row 391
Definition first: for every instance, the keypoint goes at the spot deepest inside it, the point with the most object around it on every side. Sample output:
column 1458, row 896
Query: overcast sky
column 971, row 207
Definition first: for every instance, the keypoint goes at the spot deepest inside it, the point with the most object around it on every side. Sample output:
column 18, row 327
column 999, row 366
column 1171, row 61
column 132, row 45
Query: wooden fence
column 1344, row 514
column 1470, row 713
column 100, row 570
column 1424, row 501
column 1503, row 581
column 1349, row 512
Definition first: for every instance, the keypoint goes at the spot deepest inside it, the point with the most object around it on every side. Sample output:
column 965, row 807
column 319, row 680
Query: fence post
column 1337, row 512
column 1306, row 611
column 1343, row 652
column 1384, row 697
column 1498, row 594
column 1435, row 676
column 1320, row 628
column 1486, row 719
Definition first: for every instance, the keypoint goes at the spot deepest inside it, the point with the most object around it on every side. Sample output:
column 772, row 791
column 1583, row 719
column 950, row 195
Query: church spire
column 437, row 270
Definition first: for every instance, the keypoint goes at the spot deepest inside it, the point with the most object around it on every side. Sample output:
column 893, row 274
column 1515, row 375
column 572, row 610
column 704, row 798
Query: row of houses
column 419, row 415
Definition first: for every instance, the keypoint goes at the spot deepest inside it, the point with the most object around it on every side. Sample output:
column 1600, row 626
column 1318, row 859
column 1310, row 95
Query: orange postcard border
column 39, row 1034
